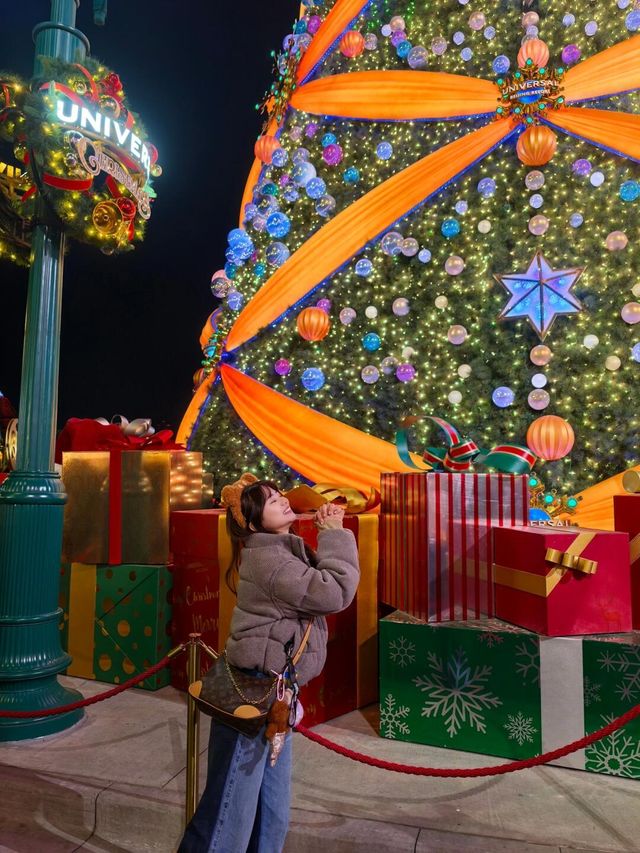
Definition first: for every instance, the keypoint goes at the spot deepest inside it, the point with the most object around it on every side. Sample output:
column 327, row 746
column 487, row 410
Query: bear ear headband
column 232, row 494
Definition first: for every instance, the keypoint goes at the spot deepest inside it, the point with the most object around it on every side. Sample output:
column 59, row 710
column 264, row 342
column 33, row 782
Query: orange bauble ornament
column 264, row 147
column 550, row 437
column 198, row 377
column 352, row 44
column 313, row 324
column 535, row 50
column 537, row 145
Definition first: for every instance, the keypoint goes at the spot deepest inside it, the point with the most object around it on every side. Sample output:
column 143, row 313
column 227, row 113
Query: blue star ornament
column 540, row 294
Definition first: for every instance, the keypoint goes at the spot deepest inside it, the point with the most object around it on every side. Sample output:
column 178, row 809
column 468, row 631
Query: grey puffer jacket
column 279, row 591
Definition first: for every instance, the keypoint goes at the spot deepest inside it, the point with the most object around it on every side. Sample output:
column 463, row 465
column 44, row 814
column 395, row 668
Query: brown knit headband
column 232, row 494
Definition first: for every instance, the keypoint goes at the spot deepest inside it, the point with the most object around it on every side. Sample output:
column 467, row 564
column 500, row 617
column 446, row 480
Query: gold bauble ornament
column 107, row 218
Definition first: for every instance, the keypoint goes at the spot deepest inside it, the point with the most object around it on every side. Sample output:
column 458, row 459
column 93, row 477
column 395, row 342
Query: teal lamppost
column 32, row 498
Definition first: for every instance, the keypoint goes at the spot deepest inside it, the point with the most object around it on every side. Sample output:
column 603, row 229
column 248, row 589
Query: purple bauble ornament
column 313, row 24
column 405, row 372
column 311, row 129
column 282, row 367
column 332, row 154
column 581, row 168
column 324, row 305
column 397, row 37
column 284, row 180
column 571, row 53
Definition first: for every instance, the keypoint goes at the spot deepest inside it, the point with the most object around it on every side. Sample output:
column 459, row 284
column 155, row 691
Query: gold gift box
column 153, row 482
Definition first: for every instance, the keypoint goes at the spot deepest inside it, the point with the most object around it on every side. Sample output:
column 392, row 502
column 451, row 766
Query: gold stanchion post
column 193, row 725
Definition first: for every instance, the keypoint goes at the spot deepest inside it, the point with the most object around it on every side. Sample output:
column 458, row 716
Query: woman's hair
column 252, row 502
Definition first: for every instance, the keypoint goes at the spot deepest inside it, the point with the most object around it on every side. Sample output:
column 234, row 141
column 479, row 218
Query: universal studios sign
column 106, row 128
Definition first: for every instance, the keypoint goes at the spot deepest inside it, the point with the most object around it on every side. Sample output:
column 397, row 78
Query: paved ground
column 115, row 783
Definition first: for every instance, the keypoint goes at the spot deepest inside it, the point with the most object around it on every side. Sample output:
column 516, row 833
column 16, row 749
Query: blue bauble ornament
column 312, row 379
column 635, row 352
column 503, row 397
column 501, row 64
column 351, row 175
column 278, row 225
column 632, row 21
column 291, row 194
column 329, row 139
column 384, row 150
column 280, row 157
column 277, row 254
column 316, row 188
column 450, row 228
column 371, row 342
column 269, row 189
column 576, row 220
column 630, row 191
column 250, row 211
column 302, row 173
column 234, row 300
column 424, row 256
column 230, row 269
column 486, row 187
column 260, row 270
column 364, row 267
column 403, row 48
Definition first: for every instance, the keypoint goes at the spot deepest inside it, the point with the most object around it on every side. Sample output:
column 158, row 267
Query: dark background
column 130, row 324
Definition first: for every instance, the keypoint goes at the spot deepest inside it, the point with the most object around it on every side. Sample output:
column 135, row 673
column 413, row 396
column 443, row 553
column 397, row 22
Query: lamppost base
column 43, row 694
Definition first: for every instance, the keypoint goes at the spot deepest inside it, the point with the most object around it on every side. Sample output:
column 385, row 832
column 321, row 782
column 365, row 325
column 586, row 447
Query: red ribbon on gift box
column 86, row 434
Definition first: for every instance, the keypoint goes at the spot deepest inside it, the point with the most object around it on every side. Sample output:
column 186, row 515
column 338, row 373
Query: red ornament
column 265, row 146
column 352, row 44
column 127, row 208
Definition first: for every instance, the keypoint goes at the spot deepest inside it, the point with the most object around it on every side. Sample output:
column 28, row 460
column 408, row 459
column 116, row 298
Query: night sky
column 130, row 323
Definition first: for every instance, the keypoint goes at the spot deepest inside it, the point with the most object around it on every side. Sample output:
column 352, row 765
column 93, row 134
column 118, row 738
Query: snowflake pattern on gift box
column 392, row 717
column 617, row 755
column 490, row 639
column 528, row 667
column 402, row 652
column 520, row 728
column 626, row 662
column 591, row 692
column 456, row 693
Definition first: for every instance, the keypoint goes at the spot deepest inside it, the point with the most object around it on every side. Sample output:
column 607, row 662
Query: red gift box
column 626, row 514
column 348, row 681
column 562, row 582
column 435, row 540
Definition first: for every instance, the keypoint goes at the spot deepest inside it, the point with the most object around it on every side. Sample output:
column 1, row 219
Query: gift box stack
column 115, row 580
column 509, row 639
column 202, row 601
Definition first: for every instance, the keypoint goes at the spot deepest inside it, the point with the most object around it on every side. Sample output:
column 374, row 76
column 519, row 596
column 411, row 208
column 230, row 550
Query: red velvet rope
column 91, row 700
column 467, row 772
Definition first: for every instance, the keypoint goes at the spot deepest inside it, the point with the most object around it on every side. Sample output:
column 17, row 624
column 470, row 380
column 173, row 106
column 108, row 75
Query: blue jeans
column 245, row 804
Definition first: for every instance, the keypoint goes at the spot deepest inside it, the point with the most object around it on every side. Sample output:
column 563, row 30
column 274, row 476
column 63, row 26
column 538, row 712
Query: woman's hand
column 329, row 517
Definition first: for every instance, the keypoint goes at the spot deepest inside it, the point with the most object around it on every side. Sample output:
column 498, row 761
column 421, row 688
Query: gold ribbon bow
column 310, row 498
column 564, row 561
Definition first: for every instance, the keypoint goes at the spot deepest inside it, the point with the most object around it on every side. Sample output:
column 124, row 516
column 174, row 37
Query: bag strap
column 303, row 642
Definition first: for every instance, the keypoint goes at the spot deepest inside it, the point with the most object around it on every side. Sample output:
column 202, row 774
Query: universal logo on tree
column 87, row 155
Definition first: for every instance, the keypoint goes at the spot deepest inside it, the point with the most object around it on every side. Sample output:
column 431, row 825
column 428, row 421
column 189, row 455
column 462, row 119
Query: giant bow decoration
column 397, row 95
column 461, row 453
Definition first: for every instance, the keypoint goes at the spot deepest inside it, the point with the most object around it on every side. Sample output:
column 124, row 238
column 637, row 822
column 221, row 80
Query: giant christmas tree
column 457, row 185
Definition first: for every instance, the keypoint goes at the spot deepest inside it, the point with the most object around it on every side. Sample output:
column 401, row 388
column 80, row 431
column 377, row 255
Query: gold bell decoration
column 107, row 218
column 631, row 481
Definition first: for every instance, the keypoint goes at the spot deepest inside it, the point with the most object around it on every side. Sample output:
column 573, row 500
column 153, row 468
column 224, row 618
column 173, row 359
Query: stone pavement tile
column 312, row 832
column 138, row 819
column 548, row 806
column 40, row 812
column 433, row 841
column 136, row 737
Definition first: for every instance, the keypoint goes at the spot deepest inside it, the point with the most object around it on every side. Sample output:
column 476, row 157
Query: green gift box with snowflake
column 490, row 687
column 611, row 687
column 470, row 686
